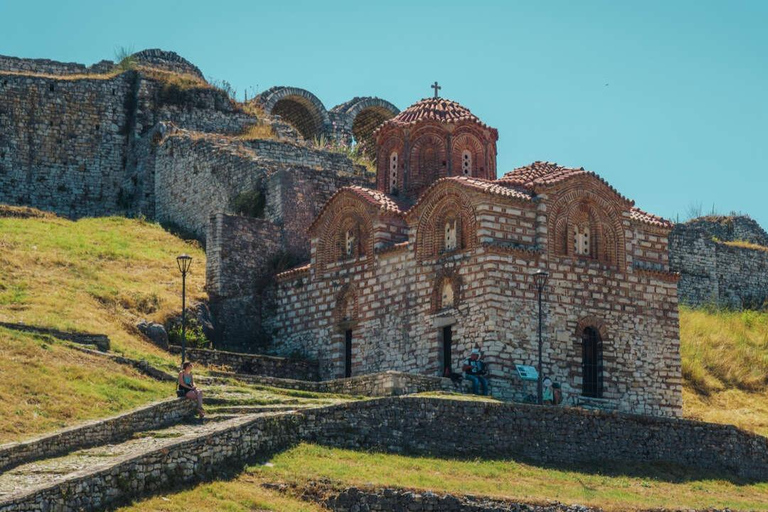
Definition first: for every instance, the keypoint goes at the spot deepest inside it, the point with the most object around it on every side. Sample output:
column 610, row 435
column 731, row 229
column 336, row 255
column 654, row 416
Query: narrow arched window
column 349, row 248
column 393, row 158
column 581, row 241
column 466, row 162
column 451, row 236
column 592, row 363
column 446, row 300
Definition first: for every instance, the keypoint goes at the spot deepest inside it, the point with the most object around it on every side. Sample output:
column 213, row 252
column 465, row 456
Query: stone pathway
column 226, row 403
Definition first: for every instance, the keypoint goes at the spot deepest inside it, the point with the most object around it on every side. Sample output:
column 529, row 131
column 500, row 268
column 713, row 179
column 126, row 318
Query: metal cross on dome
column 436, row 88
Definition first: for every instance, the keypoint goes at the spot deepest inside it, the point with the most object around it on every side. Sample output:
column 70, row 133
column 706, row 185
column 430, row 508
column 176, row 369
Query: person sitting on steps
column 475, row 370
column 188, row 389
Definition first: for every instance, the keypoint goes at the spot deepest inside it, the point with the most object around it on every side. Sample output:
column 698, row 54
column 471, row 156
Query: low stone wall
column 100, row 341
column 174, row 463
column 254, row 364
column 376, row 384
column 96, row 432
column 354, row 499
column 453, row 428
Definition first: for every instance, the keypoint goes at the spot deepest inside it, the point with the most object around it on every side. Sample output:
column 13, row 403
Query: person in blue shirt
column 475, row 370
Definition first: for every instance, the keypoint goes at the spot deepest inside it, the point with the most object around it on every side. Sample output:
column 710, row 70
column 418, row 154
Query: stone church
column 438, row 259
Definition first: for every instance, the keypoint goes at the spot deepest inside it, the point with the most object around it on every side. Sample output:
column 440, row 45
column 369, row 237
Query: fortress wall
column 713, row 272
column 52, row 67
column 63, row 143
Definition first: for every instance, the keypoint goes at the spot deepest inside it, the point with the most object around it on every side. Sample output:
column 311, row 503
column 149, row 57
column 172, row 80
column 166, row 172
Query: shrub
column 250, row 204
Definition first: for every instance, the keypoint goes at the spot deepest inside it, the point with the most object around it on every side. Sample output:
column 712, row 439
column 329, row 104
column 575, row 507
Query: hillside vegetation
column 94, row 275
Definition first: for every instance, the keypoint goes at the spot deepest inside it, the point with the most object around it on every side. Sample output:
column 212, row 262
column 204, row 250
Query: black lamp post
column 184, row 261
column 540, row 278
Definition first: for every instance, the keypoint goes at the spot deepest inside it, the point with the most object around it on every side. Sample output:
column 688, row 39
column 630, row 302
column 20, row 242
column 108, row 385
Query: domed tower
column 429, row 140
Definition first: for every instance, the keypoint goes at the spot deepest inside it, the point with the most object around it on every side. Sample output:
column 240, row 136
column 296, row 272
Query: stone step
column 254, row 409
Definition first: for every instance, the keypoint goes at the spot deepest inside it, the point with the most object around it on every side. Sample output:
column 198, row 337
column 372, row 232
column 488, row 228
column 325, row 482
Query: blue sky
column 664, row 99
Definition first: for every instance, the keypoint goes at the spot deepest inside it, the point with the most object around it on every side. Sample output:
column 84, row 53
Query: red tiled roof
column 374, row 197
column 493, row 187
column 293, row 272
column 377, row 198
column 434, row 109
column 648, row 218
column 549, row 173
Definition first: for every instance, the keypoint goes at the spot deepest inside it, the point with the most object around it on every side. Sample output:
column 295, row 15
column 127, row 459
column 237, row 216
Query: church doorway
column 592, row 363
column 447, row 347
column 348, row 353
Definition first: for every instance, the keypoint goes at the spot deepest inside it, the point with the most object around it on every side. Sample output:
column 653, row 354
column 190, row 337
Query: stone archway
column 298, row 107
column 360, row 118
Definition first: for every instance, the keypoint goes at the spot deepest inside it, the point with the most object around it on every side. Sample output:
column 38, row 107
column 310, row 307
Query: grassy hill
column 94, row 275
column 102, row 275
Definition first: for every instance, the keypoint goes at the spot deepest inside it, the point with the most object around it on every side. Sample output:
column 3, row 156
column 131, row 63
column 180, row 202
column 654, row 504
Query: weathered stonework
column 96, row 432
column 419, row 426
column 400, row 278
column 253, row 364
column 714, row 272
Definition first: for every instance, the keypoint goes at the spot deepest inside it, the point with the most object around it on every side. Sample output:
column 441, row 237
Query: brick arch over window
column 444, row 206
column 427, row 162
column 347, row 215
column 393, row 144
column 468, row 142
column 580, row 216
column 346, row 310
column 443, row 279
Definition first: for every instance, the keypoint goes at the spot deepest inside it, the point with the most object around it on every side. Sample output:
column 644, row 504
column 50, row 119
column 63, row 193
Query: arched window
column 349, row 247
column 446, row 301
column 393, row 158
column 591, row 363
column 466, row 162
column 581, row 240
column 451, row 235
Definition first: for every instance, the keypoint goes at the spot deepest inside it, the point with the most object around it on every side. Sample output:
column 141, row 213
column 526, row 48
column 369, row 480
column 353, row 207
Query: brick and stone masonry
column 410, row 278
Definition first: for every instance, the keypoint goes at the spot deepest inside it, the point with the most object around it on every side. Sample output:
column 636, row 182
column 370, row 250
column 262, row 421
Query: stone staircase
column 148, row 460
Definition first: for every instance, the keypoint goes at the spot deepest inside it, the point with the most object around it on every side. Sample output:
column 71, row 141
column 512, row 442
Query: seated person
column 474, row 370
column 186, row 388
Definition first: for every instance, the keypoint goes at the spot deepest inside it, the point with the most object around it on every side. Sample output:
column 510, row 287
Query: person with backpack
column 474, row 370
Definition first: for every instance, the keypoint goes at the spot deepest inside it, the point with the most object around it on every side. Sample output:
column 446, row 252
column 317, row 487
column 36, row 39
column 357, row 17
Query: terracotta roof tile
column 294, row 272
column 542, row 174
column 639, row 215
column 434, row 109
column 377, row 198
column 493, row 187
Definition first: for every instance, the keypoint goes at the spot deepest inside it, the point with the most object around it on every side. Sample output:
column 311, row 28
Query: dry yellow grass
column 94, row 275
column 746, row 245
column 258, row 131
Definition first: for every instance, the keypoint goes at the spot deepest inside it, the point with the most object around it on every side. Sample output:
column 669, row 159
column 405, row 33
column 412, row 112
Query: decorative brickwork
column 464, row 264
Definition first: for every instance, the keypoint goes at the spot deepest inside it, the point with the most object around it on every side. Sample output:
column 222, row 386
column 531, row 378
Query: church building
column 439, row 259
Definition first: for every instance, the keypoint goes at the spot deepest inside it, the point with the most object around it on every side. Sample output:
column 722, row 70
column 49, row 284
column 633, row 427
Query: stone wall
column 367, row 499
column 63, row 142
column 389, row 383
column 94, row 433
column 549, row 435
column 52, row 67
column 253, row 364
column 712, row 271
column 174, row 463
column 391, row 302
column 419, row 426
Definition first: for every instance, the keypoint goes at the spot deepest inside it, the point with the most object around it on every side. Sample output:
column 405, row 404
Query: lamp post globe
column 540, row 279
column 184, row 261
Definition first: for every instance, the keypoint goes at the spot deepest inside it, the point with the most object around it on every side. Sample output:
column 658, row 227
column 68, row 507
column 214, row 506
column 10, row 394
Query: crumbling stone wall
column 255, row 364
column 52, row 67
column 714, row 272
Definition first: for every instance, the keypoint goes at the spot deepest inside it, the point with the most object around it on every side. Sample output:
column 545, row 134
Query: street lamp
column 184, row 261
column 540, row 279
